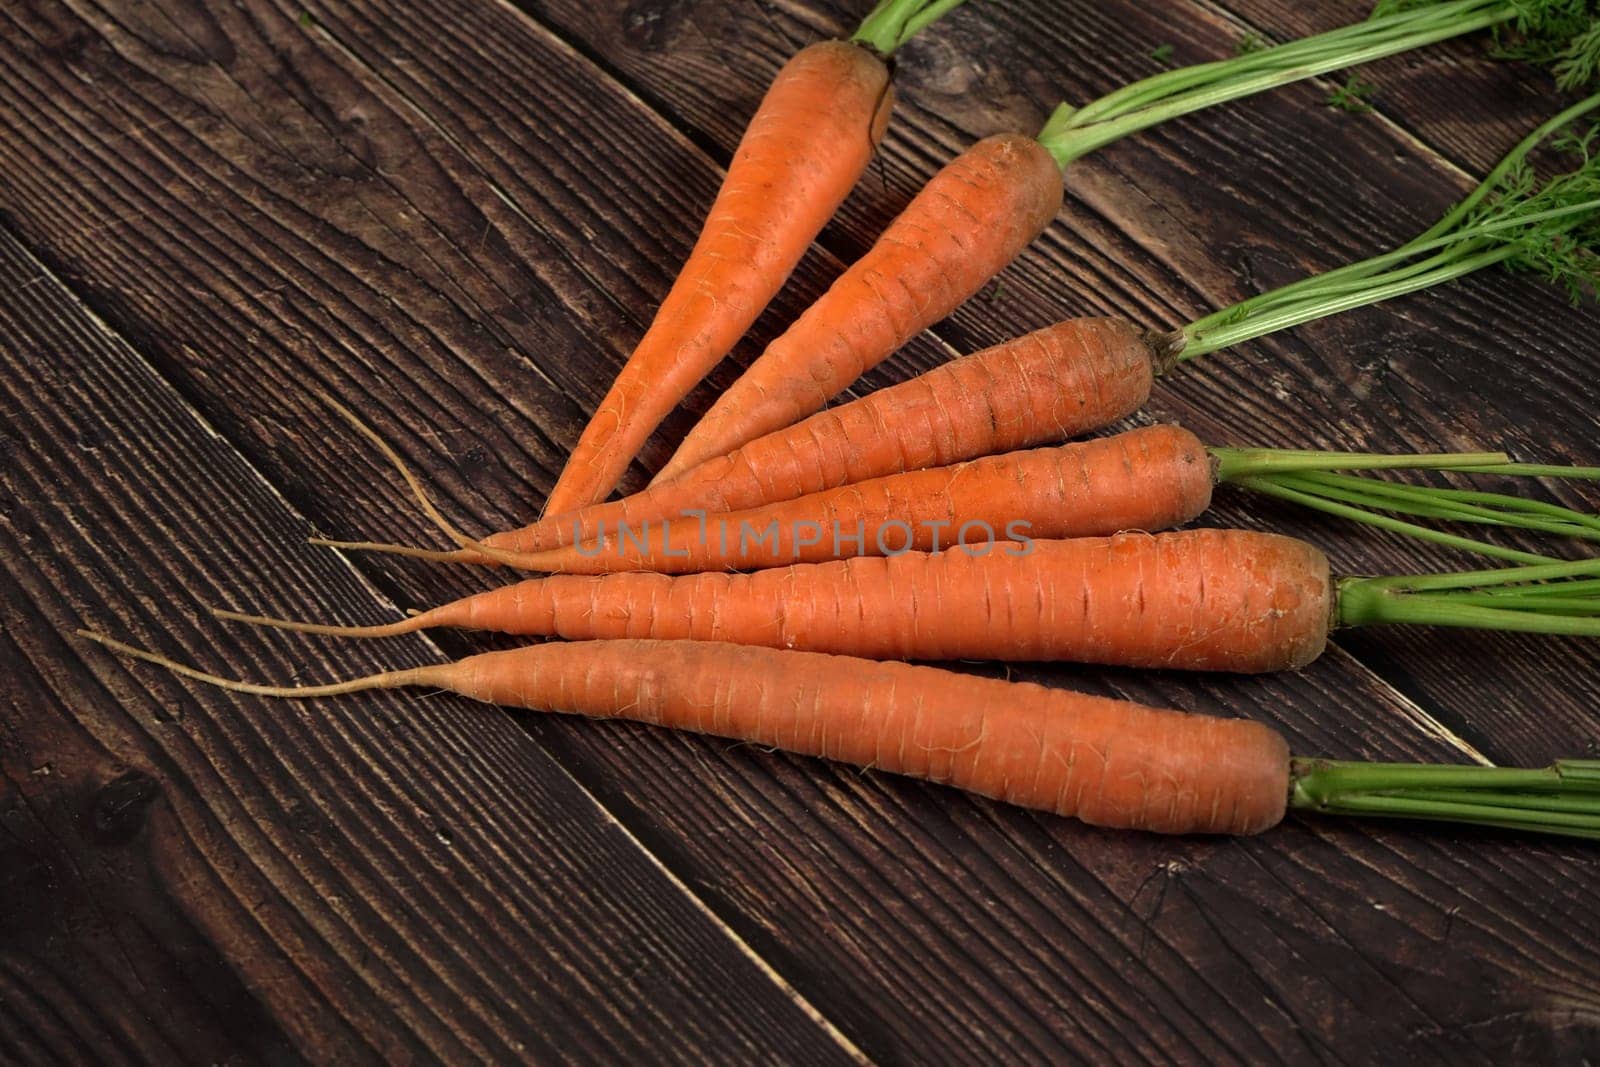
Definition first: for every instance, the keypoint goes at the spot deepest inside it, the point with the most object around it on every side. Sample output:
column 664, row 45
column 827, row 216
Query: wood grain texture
column 421, row 209
column 194, row 877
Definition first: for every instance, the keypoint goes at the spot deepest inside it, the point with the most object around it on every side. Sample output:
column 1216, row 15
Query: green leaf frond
column 1548, row 227
column 1560, row 34
column 1563, row 35
column 1552, row 227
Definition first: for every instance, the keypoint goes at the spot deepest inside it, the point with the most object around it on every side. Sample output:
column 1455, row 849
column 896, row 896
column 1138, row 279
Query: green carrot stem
column 1583, row 803
column 1584, row 606
column 1365, row 602
column 1561, row 799
column 1167, row 84
column 1073, row 132
column 1426, row 501
column 1323, row 481
column 1323, row 778
column 1499, row 500
column 1501, row 507
column 1367, row 282
column 1394, row 266
column 930, row 13
column 894, row 22
column 1501, row 576
column 1272, row 487
column 1571, row 587
column 1373, row 494
column 1561, row 823
column 1235, row 463
column 1508, row 219
column 1350, row 278
column 1537, row 470
column 1227, row 328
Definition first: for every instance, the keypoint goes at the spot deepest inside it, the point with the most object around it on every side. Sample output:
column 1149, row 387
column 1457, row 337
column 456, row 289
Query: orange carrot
column 1147, row 479
column 1049, row 385
column 810, row 139
column 1107, row 762
column 1151, row 478
column 1220, row 600
column 970, row 220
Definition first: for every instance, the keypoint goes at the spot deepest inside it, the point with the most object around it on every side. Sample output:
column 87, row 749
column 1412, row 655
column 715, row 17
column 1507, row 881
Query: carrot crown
column 894, row 22
column 1558, row 32
column 1512, row 218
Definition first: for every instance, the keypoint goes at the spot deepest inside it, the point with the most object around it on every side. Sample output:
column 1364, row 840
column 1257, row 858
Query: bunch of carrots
column 765, row 584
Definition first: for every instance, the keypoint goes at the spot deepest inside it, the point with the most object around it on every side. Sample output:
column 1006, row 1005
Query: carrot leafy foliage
column 1562, row 33
column 1513, row 219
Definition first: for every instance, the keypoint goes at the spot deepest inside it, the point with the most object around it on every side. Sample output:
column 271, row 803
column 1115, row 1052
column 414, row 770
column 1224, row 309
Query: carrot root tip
column 386, row 548
column 384, row 680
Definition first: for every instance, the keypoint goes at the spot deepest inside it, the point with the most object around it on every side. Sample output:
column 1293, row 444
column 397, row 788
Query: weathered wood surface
column 422, row 209
column 411, row 878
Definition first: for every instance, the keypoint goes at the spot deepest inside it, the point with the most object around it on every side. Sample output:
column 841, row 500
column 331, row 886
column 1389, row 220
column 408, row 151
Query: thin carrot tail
column 458, row 555
column 383, row 680
column 968, row 222
column 471, row 550
column 388, row 629
column 412, row 482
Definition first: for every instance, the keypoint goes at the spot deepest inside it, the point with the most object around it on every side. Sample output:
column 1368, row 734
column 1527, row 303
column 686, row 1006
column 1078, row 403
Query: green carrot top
column 1512, row 219
column 1562, row 34
column 894, row 22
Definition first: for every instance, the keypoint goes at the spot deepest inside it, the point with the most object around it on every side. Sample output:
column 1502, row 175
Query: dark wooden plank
column 194, row 877
column 930, row 925
column 1206, row 211
column 101, row 962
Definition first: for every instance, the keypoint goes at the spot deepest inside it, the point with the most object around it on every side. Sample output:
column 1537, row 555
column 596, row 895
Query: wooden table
column 457, row 216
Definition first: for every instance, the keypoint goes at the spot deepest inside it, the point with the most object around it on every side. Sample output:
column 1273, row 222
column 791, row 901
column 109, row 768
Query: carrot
column 1152, row 478
column 1146, row 479
column 1219, row 600
column 1106, row 762
column 1206, row 600
column 969, row 221
column 974, row 216
column 807, row 144
column 1027, row 391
